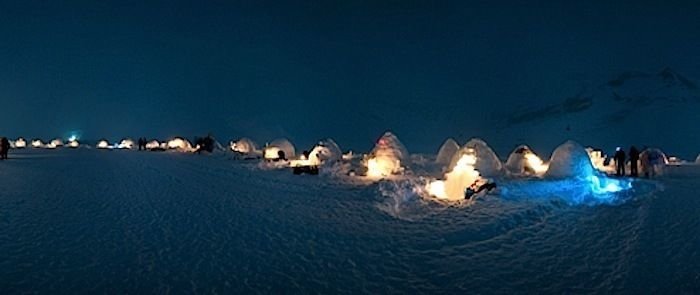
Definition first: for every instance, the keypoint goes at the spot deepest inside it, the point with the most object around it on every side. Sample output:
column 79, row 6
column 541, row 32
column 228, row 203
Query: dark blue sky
column 311, row 70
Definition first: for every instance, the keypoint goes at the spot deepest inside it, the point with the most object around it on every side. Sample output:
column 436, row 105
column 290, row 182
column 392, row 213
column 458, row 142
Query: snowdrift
column 448, row 149
column 486, row 160
column 388, row 157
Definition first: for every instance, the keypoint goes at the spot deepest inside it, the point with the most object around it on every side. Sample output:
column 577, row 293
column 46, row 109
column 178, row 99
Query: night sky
column 312, row 70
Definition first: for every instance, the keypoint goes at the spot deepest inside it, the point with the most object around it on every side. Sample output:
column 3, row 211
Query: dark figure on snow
column 634, row 160
column 281, row 156
column 141, row 144
column 4, row 148
column 620, row 158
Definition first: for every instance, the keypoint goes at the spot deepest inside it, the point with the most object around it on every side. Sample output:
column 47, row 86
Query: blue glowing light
column 605, row 185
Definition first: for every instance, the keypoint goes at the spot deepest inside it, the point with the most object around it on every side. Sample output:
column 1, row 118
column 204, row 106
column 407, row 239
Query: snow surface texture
column 144, row 222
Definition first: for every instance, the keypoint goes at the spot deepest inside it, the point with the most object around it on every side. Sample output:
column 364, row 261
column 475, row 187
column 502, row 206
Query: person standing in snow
column 4, row 148
column 620, row 158
column 634, row 159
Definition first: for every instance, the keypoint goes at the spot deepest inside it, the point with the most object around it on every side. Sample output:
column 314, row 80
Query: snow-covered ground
column 75, row 221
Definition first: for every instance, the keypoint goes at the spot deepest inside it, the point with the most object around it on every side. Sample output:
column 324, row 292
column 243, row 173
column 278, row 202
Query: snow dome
column 243, row 146
column 153, row 144
column 73, row 143
column 180, row 144
column 388, row 157
column 55, row 143
column 20, row 143
column 103, row 144
column 126, row 143
column 570, row 160
column 486, row 161
column 326, row 151
column 523, row 161
column 447, row 151
column 272, row 150
column 457, row 180
column 37, row 143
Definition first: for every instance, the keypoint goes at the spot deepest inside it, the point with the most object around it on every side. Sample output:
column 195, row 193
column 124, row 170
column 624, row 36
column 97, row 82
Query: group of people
column 4, row 148
column 142, row 142
column 649, row 161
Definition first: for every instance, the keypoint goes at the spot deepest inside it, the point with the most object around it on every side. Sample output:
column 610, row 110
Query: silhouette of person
column 4, row 148
column 634, row 160
column 620, row 158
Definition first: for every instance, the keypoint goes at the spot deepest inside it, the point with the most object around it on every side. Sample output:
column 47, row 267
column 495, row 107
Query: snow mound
column 180, row 144
column 127, row 144
column 523, row 161
column 388, row 157
column 325, row 152
column 487, row 162
column 282, row 144
column 447, row 151
column 570, row 160
column 697, row 160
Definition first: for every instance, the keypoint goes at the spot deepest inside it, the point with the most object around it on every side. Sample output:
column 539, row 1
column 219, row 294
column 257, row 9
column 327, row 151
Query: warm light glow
column 126, row 144
column 598, row 160
column 54, row 144
column 180, row 144
column 535, row 163
column 382, row 166
column 73, row 144
column 456, row 181
column 20, row 143
column 271, row 153
column 103, row 144
column 154, row 144
column 37, row 143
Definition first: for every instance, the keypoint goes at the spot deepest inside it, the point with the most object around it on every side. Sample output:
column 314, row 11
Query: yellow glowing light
column 382, row 166
column 73, row 144
column 20, row 143
column 103, row 144
column 37, row 143
column 153, row 145
column 271, row 153
column 536, row 163
column 456, row 181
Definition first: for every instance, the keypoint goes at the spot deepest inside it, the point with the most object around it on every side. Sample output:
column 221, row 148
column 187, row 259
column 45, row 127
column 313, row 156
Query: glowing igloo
column 273, row 149
column 103, row 144
column 180, row 144
column 461, row 176
column 448, row 149
column 243, row 146
column 37, row 143
column 388, row 157
column 325, row 152
column 74, row 144
column 570, row 160
column 486, row 160
column 523, row 161
column 127, row 144
column 20, row 143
